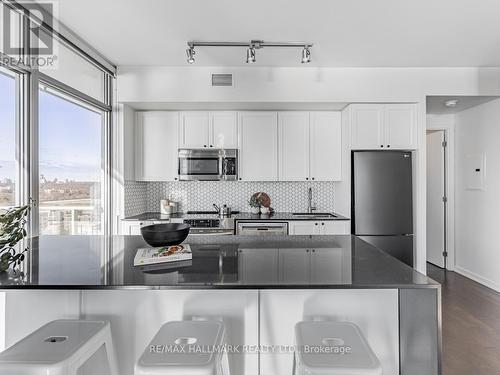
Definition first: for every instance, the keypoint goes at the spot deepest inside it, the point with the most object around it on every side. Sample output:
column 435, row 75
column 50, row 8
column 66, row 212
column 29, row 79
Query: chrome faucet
column 310, row 207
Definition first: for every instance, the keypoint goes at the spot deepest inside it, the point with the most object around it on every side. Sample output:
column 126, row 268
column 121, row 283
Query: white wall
column 476, row 211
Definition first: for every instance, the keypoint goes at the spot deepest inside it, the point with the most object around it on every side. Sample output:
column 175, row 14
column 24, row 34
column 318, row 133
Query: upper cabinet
column 258, row 146
column 201, row 129
column 310, row 146
column 383, row 126
column 293, row 146
column 224, row 129
column 156, row 136
column 326, row 146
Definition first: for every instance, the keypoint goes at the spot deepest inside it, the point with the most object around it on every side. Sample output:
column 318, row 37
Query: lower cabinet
column 316, row 228
column 258, row 265
column 133, row 227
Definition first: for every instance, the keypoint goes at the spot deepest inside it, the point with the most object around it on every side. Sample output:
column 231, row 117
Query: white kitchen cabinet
column 194, row 130
column 202, row 129
column 258, row 146
column 156, row 137
column 335, row 227
column 223, row 129
column 294, row 265
column 326, row 146
column 310, row 146
column 316, row 228
column 383, row 126
column 367, row 126
column 400, row 121
column 258, row 265
column 293, row 146
column 303, row 228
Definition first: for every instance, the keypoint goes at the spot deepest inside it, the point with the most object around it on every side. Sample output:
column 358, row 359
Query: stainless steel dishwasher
column 257, row 228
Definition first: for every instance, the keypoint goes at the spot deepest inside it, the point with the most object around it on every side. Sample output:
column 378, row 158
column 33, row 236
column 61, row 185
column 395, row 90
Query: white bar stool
column 186, row 348
column 333, row 348
column 60, row 347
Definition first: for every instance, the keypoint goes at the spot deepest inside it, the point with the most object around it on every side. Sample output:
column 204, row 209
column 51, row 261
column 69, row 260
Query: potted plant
column 254, row 204
column 12, row 232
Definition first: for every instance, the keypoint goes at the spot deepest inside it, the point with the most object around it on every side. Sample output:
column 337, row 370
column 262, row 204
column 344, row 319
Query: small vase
column 264, row 210
column 255, row 210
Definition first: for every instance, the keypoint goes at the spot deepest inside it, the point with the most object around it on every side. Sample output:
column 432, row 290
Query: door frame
column 446, row 123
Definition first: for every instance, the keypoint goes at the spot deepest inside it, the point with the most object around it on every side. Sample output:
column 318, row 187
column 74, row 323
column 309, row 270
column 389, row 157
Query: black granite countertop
column 277, row 216
column 225, row 262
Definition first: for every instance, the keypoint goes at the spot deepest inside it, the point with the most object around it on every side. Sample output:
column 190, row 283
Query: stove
column 219, row 227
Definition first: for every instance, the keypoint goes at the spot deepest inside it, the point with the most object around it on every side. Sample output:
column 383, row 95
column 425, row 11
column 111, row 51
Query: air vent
column 222, row 79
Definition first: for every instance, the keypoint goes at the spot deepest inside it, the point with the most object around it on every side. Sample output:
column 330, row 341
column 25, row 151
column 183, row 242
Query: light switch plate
column 475, row 166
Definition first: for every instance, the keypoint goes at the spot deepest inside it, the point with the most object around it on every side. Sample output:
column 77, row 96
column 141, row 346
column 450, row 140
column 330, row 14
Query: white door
column 400, row 126
column 293, row 145
column 294, row 265
column 156, row 146
column 367, row 126
column 258, row 144
column 303, row 228
column 194, row 130
column 435, row 194
column 326, row 146
column 224, row 129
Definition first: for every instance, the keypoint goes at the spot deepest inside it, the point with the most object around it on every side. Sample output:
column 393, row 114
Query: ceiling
column 345, row 33
column 436, row 104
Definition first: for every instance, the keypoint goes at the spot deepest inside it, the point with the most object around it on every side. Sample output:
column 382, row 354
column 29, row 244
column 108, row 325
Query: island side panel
column 374, row 311
column 137, row 315
column 420, row 331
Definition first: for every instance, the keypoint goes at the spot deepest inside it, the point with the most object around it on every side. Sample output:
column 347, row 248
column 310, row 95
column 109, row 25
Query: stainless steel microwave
column 208, row 165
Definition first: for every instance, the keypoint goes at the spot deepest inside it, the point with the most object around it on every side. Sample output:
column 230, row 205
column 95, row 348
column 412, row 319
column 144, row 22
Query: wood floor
column 471, row 325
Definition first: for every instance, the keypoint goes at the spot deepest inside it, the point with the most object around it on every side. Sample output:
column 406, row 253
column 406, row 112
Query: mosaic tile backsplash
column 200, row 195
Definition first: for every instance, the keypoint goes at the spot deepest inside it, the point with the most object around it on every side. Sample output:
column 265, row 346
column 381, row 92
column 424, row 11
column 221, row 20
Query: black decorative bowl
column 165, row 234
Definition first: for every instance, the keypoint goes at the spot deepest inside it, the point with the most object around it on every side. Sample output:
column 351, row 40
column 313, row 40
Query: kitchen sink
column 313, row 215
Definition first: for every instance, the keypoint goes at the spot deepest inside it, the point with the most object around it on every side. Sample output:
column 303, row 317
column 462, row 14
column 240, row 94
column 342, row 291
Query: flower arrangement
column 12, row 231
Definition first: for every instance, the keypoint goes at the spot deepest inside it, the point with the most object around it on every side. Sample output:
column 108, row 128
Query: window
column 71, row 163
column 8, row 140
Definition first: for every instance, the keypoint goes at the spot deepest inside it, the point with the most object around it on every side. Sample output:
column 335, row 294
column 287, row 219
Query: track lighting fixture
column 251, row 47
column 306, row 55
column 190, row 54
column 250, row 55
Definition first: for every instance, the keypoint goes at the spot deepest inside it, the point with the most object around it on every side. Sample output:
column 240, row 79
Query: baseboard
column 477, row 278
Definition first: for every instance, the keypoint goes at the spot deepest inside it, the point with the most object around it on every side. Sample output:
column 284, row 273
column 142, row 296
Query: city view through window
column 70, row 167
column 8, row 164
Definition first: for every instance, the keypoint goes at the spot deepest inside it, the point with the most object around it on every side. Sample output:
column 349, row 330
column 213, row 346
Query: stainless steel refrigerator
column 382, row 201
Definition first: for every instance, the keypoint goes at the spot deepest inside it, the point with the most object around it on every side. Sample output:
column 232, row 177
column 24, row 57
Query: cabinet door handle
column 307, row 178
column 388, row 146
column 204, row 145
column 211, row 145
column 313, row 250
column 313, row 178
column 315, row 223
column 382, row 146
column 307, row 250
column 322, row 223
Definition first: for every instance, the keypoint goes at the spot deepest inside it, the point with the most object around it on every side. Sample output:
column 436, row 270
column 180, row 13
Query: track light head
column 190, row 55
column 306, row 55
column 250, row 55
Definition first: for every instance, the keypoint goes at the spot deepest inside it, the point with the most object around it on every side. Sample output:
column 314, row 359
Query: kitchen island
column 261, row 286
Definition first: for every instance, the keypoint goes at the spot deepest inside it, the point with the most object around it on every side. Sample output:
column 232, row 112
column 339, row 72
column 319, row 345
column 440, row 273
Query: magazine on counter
column 165, row 254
